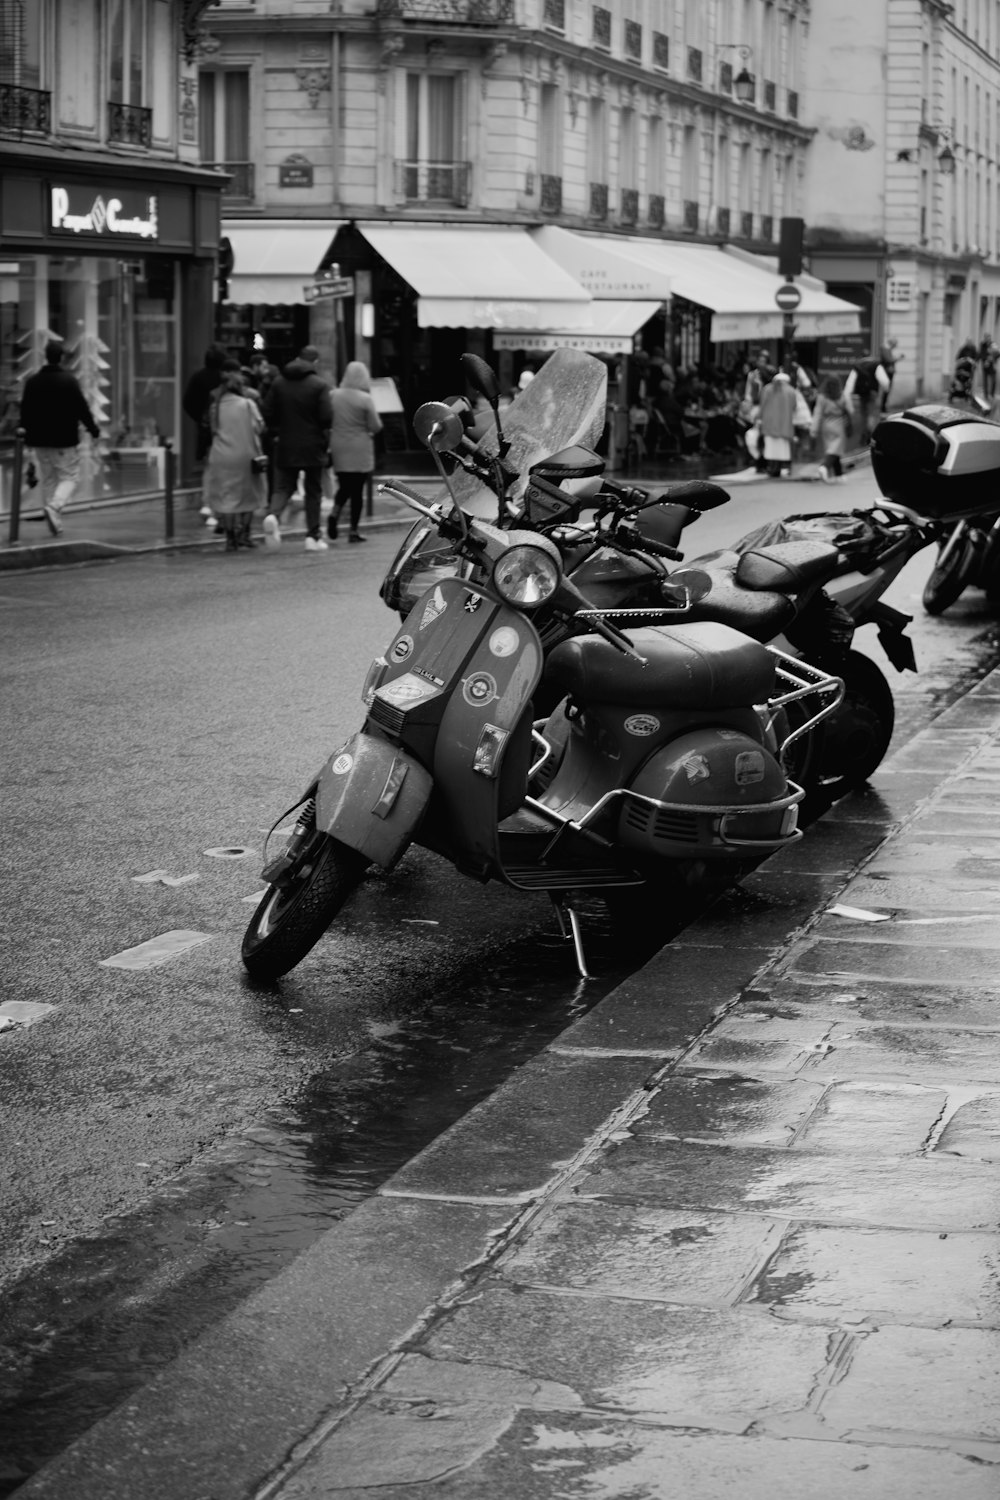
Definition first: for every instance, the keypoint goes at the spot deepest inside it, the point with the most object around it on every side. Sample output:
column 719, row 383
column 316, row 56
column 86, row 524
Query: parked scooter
column 670, row 769
column 968, row 557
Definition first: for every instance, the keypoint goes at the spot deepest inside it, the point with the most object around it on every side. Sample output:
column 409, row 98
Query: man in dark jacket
column 52, row 408
column 298, row 412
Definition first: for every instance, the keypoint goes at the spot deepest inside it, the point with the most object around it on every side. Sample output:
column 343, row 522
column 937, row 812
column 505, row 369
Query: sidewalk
column 734, row 1233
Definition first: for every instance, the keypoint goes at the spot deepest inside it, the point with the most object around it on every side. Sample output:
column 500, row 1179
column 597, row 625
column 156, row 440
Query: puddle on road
column 78, row 1336
column 101, row 1319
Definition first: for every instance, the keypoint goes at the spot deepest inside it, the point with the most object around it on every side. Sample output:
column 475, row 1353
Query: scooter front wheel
column 293, row 916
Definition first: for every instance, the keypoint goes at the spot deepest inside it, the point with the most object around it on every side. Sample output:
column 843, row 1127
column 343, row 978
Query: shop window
column 224, row 127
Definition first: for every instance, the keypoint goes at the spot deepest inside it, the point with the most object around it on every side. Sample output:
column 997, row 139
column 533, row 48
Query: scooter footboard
column 371, row 796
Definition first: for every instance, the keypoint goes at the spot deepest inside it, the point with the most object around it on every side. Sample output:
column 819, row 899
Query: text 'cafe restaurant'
column 117, row 260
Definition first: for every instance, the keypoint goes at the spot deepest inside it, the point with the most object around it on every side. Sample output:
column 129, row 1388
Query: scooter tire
column 857, row 734
column 948, row 578
column 291, row 919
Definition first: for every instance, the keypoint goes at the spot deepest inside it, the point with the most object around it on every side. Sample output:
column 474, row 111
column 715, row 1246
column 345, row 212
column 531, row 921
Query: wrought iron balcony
column 770, row 96
column 240, row 187
column 722, row 219
column 793, row 104
column 434, row 182
column 725, row 78
column 661, row 51
column 130, row 123
column 554, row 15
column 24, row 109
column 746, row 225
column 656, row 210
column 633, row 41
column 454, row 12
column 694, row 64
column 598, row 200
column 690, row 215
column 630, row 206
column 767, row 227
column 550, row 200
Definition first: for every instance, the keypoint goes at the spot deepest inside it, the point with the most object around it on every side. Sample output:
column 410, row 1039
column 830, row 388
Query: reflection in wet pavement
column 99, row 1321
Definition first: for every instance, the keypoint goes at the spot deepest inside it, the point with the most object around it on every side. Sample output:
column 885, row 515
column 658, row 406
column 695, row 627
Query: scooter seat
column 705, row 665
column 715, row 595
column 788, row 567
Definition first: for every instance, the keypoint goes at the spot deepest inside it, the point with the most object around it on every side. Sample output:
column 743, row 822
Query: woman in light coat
column 777, row 423
column 234, row 487
column 831, row 425
column 356, row 423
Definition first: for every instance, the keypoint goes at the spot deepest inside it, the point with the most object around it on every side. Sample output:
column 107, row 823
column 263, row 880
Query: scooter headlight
column 526, row 575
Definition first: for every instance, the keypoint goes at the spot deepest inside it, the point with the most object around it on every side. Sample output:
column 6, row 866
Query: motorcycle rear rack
column 800, row 680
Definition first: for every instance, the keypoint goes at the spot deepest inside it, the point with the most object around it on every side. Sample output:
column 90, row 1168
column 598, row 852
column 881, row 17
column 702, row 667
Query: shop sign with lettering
column 109, row 213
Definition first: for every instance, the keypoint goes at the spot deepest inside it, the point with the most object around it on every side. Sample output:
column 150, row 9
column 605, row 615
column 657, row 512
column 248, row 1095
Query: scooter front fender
column 371, row 796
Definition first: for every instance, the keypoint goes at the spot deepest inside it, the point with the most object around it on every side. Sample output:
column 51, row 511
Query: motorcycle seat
column 702, row 665
column 788, row 567
column 715, row 595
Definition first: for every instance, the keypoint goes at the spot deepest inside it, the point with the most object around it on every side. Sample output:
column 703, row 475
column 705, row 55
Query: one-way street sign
column 336, row 286
column 788, row 296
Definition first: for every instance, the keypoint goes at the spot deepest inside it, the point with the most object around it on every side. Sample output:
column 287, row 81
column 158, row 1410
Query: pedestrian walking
column 760, row 376
column 989, row 354
column 196, row 400
column 889, row 358
column 778, row 408
column 356, row 424
column 831, row 426
column 53, row 409
column 298, row 413
column 866, row 387
column 236, row 484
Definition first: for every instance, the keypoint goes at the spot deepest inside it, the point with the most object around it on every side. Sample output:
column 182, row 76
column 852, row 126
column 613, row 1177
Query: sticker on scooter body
column 342, row 765
column 479, row 689
column 642, row 724
column 749, row 767
column 435, row 606
column 406, row 690
column 696, row 768
column 504, row 641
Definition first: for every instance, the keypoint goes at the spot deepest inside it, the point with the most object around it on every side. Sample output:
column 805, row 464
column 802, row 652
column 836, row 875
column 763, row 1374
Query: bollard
column 15, row 491
column 168, row 488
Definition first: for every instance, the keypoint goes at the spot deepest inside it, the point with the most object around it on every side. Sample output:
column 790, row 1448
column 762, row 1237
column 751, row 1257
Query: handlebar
column 409, row 497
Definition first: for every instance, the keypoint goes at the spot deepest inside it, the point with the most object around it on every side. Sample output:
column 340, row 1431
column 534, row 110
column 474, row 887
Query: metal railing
column 25, row 109
column 630, row 206
column 241, row 187
column 434, row 182
column 462, row 12
column 550, row 200
column 656, row 210
column 130, row 124
column 598, row 200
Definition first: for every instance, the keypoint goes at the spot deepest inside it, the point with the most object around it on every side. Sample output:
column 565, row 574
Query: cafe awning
column 603, row 265
column 480, row 276
column 737, row 287
column 274, row 259
column 612, row 331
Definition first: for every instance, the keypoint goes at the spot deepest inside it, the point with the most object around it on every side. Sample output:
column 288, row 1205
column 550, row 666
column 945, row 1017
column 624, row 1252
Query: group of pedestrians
column 261, row 431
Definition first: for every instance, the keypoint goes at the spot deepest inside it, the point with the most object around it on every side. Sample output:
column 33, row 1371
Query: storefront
column 117, row 260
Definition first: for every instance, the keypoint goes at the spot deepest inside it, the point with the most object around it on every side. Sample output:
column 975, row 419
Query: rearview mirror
column 437, row 426
column 481, row 377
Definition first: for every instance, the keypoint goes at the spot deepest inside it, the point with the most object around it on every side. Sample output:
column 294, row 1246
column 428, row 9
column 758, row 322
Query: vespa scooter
column 671, row 768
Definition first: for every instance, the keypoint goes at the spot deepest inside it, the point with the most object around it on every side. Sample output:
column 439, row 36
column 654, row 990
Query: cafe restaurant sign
column 115, row 213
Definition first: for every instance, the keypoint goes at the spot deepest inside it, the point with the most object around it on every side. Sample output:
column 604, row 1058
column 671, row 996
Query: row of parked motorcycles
column 568, row 706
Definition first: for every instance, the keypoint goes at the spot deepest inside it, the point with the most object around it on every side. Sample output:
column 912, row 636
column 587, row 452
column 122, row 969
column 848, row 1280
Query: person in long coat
column 777, row 423
column 235, row 485
column 356, row 424
column 831, row 425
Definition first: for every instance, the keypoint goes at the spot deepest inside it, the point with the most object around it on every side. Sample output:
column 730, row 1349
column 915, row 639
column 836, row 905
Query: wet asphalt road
column 166, row 706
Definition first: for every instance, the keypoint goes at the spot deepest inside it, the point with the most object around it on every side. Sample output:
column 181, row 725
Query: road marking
column 157, row 950
column 857, row 914
column 22, row 1013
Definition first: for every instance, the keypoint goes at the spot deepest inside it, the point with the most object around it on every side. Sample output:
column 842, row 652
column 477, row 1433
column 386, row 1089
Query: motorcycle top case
column 938, row 461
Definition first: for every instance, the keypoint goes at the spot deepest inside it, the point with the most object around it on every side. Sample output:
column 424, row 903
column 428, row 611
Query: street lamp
column 946, row 159
column 744, row 84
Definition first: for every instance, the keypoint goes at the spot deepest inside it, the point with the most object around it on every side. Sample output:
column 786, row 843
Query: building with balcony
column 109, row 226
column 902, row 189
column 632, row 126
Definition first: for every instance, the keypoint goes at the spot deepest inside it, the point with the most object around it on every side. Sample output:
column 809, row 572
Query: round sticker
column 402, row 648
column 343, row 764
column 504, row 641
column 642, row 724
column 480, row 688
column 749, row 767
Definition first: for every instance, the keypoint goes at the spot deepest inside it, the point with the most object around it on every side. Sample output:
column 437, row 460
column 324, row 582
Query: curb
column 249, row 1401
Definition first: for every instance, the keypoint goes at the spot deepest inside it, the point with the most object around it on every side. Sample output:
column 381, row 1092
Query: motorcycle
column 669, row 752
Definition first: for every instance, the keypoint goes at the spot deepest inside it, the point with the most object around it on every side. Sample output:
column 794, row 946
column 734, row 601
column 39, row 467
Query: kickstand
column 566, row 913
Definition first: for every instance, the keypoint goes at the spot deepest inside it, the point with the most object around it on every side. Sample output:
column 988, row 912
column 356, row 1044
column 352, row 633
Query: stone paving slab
column 535, row 1454
column 913, row 1002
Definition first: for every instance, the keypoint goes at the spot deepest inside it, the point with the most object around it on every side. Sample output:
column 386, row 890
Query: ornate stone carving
column 314, row 81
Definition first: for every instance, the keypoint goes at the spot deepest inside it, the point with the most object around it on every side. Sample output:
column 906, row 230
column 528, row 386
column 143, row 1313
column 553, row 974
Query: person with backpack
column 865, row 387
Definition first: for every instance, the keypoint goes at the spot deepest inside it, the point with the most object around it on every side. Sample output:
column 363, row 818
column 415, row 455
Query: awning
column 274, row 259
column 612, row 330
column 476, row 276
column 602, row 265
column 738, row 287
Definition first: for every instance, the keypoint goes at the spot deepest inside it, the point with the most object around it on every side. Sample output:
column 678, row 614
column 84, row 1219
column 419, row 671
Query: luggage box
column 938, row 461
